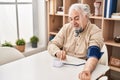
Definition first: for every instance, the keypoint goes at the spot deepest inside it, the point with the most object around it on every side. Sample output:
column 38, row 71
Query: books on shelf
column 105, row 8
column 116, row 15
column 110, row 7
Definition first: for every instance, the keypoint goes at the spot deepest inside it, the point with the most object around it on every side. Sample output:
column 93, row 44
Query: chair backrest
column 8, row 54
column 104, row 59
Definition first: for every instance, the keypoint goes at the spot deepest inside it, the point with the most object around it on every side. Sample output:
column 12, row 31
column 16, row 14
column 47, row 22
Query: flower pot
column 34, row 45
column 21, row 48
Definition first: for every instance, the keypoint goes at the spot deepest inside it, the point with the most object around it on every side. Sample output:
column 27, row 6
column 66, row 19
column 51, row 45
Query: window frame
column 17, row 19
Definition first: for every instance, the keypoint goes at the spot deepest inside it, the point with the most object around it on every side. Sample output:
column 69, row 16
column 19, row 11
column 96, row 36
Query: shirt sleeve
column 96, row 38
column 57, row 43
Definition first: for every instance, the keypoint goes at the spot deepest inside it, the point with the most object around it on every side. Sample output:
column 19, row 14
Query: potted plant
column 34, row 40
column 20, row 45
column 7, row 44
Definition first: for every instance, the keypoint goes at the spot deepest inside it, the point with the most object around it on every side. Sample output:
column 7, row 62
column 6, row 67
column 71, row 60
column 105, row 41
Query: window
column 16, row 20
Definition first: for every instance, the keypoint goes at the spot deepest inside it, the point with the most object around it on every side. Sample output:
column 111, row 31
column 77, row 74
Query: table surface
column 40, row 67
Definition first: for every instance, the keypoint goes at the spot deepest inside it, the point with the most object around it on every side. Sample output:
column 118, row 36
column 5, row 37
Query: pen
column 74, row 64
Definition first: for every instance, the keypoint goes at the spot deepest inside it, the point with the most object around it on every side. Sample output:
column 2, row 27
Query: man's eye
column 77, row 18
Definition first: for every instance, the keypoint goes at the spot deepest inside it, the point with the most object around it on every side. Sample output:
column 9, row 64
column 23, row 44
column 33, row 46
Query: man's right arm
column 56, row 44
column 53, row 49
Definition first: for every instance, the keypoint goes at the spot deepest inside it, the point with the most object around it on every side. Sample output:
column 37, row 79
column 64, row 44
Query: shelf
column 92, row 17
column 51, row 14
column 65, row 14
column 59, row 13
column 115, row 68
column 96, row 17
column 56, row 14
column 112, row 43
column 112, row 19
column 53, row 33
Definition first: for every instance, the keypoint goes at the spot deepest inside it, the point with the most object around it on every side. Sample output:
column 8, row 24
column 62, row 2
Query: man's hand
column 85, row 75
column 61, row 55
column 88, row 68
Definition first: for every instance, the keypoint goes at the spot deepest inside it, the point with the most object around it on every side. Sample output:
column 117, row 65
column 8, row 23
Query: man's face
column 77, row 19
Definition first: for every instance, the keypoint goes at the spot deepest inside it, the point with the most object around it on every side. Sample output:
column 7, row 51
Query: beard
column 78, row 30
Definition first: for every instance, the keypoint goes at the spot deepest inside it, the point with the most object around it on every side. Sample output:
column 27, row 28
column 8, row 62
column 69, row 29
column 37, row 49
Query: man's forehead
column 74, row 16
column 74, row 13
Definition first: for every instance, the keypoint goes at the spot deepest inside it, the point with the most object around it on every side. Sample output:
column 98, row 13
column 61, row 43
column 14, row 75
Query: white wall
column 40, row 21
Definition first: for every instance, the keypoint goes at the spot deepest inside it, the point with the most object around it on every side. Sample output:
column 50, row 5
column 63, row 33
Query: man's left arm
column 93, row 54
column 94, row 50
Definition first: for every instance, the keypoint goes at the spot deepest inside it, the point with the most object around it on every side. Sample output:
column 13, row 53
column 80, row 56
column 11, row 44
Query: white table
column 39, row 67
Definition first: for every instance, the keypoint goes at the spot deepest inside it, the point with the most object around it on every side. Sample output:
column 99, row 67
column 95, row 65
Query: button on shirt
column 76, row 46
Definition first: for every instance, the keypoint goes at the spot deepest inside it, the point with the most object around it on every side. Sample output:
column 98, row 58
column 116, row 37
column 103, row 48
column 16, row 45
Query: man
column 79, row 38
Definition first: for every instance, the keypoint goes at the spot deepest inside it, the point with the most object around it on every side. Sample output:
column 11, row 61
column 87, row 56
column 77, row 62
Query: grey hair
column 84, row 7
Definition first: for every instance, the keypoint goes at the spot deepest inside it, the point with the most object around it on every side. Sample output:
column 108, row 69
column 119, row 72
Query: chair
column 8, row 54
column 104, row 60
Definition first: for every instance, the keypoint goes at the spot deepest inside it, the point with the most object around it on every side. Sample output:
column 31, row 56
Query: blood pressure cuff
column 94, row 51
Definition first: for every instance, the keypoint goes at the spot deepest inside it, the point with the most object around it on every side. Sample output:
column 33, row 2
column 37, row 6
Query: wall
column 40, row 21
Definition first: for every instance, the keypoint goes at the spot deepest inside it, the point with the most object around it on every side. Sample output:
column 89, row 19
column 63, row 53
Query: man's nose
column 73, row 21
